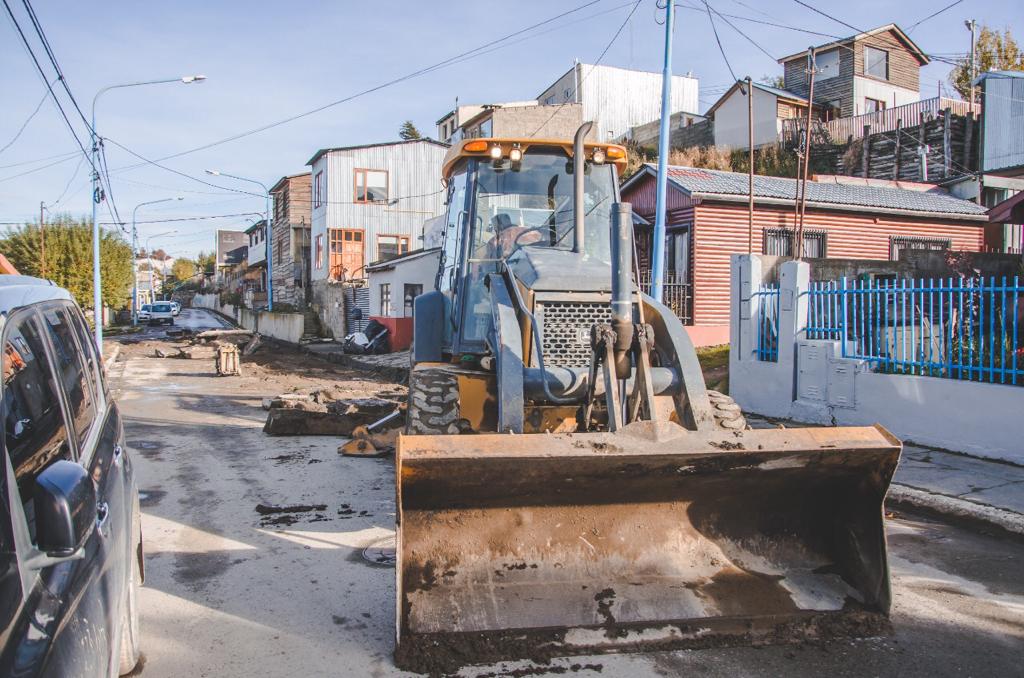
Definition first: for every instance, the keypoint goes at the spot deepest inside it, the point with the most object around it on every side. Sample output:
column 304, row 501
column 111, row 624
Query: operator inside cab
column 507, row 236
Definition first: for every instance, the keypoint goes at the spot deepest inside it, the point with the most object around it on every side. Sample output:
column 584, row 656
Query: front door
column 346, row 253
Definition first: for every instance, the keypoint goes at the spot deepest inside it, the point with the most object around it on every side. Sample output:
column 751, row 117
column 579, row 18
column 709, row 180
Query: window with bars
column 779, row 242
column 900, row 243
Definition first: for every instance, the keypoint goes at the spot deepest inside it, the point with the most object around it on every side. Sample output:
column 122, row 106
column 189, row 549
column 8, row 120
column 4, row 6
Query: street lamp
column 269, row 232
column 149, row 253
column 135, row 249
column 97, row 198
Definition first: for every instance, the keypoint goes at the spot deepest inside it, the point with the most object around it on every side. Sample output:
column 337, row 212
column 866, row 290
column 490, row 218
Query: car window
column 34, row 431
column 72, row 370
column 86, row 341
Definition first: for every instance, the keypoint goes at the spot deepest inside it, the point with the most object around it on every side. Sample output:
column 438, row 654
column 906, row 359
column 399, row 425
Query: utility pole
column 799, row 254
column 750, row 188
column 42, row 239
column 972, row 27
column 658, row 239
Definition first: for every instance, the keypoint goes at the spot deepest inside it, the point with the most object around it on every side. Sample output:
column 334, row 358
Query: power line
column 21, row 129
column 719, row 40
column 40, row 169
column 42, row 74
column 66, row 156
column 934, row 14
column 587, row 74
column 53, row 60
column 70, row 181
column 827, row 16
column 749, row 39
column 427, row 69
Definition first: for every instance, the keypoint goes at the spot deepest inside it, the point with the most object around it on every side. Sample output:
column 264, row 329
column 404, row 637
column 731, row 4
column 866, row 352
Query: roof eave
column 837, row 207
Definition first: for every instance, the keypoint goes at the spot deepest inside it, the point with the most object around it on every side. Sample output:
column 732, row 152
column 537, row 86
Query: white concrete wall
column 731, row 120
column 813, row 383
column 282, row 326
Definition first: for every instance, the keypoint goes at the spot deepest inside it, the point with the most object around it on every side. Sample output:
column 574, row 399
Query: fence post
column 844, row 333
column 793, row 284
column 745, row 281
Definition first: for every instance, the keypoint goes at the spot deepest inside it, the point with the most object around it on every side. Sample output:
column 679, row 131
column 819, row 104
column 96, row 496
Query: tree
column 69, row 258
column 994, row 51
column 206, row 262
column 408, row 131
column 183, row 269
column 776, row 81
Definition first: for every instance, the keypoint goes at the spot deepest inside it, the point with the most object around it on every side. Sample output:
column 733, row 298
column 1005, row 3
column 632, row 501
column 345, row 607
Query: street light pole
column 135, row 250
column 658, row 239
column 268, row 232
column 97, row 198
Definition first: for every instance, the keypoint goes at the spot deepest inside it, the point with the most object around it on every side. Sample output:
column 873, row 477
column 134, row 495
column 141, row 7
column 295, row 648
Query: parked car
column 70, row 531
column 160, row 312
column 144, row 311
column 175, row 308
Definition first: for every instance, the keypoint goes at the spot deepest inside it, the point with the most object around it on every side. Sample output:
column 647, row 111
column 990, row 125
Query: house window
column 409, row 294
column 318, row 257
column 391, row 246
column 899, row 244
column 827, row 64
column 876, row 63
column 385, row 299
column 779, row 242
column 371, row 185
column 873, row 105
column 279, row 252
column 318, row 189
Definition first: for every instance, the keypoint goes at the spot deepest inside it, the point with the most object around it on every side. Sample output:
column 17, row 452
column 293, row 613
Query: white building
column 617, row 99
column 396, row 283
column 771, row 107
column 370, row 203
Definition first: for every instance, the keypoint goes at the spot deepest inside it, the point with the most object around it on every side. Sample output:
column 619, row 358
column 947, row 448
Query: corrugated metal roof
column 708, row 184
column 784, row 93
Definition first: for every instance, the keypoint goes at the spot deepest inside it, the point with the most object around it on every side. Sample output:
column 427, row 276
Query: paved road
column 195, row 319
column 231, row 592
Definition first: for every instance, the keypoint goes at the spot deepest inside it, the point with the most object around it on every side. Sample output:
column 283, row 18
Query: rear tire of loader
column 728, row 415
column 433, row 402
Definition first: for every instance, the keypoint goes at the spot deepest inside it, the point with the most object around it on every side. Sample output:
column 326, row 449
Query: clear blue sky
column 269, row 60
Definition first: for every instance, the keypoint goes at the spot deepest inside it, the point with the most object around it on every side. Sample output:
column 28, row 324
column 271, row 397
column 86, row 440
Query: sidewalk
column 981, row 491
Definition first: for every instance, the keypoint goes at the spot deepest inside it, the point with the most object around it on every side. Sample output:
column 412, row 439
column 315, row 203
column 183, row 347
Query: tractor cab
column 510, row 202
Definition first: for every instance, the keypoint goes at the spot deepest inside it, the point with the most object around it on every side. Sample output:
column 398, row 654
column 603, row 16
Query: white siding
column 1003, row 122
column 731, row 120
column 617, row 99
column 891, row 94
column 414, row 178
column 414, row 271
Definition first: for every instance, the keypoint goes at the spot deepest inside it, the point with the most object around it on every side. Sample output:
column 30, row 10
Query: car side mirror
column 65, row 509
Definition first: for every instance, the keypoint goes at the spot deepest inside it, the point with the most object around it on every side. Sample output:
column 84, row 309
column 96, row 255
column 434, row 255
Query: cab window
column 35, row 434
column 72, row 370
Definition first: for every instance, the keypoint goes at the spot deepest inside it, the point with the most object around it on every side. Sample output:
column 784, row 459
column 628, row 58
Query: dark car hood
column 551, row 270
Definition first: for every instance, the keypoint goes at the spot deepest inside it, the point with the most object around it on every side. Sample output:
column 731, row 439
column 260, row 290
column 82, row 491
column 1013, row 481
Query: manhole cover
column 146, row 445
column 381, row 552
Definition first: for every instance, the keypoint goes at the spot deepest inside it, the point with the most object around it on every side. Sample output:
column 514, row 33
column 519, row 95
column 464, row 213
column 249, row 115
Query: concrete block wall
column 328, row 301
column 281, row 326
column 813, row 383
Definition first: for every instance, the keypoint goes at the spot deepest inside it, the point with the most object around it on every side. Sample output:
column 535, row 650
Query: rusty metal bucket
column 651, row 538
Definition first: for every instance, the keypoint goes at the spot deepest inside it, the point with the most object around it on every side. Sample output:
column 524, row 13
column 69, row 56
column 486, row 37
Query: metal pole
column 974, row 63
column 658, row 239
column 579, row 164
column 799, row 254
column 270, row 251
column 750, row 177
column 135, row 272
column 97, row 196
column 42, row 239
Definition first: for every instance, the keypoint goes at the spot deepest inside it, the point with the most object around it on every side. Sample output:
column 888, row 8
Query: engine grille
column 565, row 330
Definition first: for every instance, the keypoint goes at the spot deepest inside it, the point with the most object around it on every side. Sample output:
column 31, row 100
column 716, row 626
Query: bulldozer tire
column 728, row 414
column 433, row 403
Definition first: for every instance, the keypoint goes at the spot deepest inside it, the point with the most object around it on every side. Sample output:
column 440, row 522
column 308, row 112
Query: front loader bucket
column 650, row 538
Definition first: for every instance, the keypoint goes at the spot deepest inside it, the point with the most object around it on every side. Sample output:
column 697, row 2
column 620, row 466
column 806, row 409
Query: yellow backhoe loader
column 566, row 483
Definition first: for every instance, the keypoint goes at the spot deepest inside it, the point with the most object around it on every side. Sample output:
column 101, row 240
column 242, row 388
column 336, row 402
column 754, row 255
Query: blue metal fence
column 768, row 322
column 956, row 328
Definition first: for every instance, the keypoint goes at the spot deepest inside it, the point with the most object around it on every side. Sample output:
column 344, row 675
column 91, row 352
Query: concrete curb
column 111, row 357
column 963, row 510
